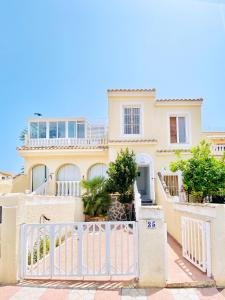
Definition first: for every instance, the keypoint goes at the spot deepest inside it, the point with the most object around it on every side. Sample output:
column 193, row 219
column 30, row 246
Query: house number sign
column 151, row 224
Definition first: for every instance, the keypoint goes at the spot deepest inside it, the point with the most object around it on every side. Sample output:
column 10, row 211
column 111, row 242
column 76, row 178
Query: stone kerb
column 152, row 231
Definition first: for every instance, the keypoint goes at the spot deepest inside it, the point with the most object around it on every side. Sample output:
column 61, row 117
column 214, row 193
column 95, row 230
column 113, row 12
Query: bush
column 203, row 174
column 96, row 199
column 122, row 174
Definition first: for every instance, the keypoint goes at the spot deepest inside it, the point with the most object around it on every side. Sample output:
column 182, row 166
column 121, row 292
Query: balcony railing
column 66, row 142
column 68, row 188
column 218, row 149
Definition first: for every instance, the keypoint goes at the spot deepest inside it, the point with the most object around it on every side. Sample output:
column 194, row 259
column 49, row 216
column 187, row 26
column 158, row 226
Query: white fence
column 196, row 243
column 47, row 142
column 79, row 249
column 218, row 149
column 68, row 188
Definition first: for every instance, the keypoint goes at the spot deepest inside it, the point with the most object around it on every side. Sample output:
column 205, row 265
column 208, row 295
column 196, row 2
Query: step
column 192, row 284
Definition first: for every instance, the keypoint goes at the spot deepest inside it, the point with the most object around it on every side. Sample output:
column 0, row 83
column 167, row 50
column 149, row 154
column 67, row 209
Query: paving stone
column 85, row 294
column 134, row 294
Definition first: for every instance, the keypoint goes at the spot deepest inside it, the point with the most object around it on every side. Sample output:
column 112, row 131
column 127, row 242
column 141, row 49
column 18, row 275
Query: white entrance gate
column 79, row 249
column 196, row 243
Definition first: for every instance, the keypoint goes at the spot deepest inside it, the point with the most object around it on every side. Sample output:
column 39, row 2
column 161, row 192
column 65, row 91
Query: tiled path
column 180, row 270
column 47, row 293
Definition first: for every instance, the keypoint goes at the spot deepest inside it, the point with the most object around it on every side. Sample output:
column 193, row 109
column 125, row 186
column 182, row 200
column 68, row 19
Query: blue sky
column 59, row 57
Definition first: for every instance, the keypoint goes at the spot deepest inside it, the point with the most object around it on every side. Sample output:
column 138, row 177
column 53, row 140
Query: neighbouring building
column 6, row 182
column 59, row 153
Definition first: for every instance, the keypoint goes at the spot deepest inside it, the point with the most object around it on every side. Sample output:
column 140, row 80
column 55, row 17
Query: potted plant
column 96, row 200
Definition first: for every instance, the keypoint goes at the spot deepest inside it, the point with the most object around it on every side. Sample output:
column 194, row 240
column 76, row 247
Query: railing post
column 52, row 249
column 108, row 248
column 208, row 249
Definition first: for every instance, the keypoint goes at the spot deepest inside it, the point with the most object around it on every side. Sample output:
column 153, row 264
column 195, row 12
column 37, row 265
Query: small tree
column 203, row 174
column 122, row 174
column 23, row 134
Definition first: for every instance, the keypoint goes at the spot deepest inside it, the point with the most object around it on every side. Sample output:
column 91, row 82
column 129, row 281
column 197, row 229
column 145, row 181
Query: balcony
column 218, row 150
column 65, row 133
column 68, row 188
column 66, row 142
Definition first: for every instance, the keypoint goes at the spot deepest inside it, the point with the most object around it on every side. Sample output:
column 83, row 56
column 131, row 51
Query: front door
column 143, row 183
column 39, row 176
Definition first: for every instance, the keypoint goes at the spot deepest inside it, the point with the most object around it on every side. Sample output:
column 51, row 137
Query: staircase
column 146, row 202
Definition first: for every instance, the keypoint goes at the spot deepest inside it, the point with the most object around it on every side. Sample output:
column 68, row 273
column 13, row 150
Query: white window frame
column 38, row 129
column 131, row 105
column 187, row 118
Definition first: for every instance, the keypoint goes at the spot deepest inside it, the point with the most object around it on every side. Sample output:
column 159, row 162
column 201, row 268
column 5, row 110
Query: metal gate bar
column 79, row 249
column 196, row 241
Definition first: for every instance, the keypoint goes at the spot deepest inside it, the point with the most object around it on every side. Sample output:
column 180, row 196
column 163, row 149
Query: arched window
column 97, row 170
column 39, row 176
column 69, row 172
column 68, row 181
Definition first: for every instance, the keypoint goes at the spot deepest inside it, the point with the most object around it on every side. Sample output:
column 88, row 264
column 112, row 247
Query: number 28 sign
column 151, row 224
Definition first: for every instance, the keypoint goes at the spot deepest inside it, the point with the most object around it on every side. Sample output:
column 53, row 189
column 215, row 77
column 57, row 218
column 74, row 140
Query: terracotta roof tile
column 172, row 150
column 134, row 141
column 176, row 100
column 131, row 90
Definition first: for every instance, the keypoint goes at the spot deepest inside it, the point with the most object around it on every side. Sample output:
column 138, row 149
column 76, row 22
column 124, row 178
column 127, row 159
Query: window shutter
column 173, row 130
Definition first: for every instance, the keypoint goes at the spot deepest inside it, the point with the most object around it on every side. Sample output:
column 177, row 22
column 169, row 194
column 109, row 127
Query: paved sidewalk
column 18, row 292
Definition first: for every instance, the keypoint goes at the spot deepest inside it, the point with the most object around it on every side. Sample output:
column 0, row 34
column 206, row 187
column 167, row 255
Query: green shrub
column 96, row 199
column 122, row 174
column 203, row 174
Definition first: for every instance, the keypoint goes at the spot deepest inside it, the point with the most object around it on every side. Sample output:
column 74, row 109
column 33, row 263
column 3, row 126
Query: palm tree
column 96, row 200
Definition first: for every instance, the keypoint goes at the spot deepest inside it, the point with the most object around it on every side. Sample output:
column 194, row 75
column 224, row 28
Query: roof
column 133, row 141
column 172, row 150
column 5, row 173
column 177, row 100
column 131, row 90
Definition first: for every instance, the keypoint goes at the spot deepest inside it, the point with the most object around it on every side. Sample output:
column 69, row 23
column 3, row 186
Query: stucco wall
column 53, row 161
column 6, row 186
column 212, row 213
column 57, row 209
column 154, row 118
column 20, row 184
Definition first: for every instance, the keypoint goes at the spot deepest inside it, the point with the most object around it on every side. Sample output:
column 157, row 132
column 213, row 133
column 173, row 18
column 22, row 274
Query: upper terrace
column 64, row 132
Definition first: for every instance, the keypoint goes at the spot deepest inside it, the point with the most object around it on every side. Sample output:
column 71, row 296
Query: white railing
column 196, row 243
column 42, row 189
column 68, row 188
column 79, row 249
column 61, row 142
column 137, row 201
column 218, row 149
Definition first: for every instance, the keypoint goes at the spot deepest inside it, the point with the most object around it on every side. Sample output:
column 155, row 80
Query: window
column 72, row 129
column 61, row 130
column 178, row 130
column 57, row 130
column 80, row 130
column 53, row 130
column 38, row 130
column 76, row 130
column 131, row 120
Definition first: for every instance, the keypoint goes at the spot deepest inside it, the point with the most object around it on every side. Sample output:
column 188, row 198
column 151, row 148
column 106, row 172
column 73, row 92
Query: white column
column 152, row 248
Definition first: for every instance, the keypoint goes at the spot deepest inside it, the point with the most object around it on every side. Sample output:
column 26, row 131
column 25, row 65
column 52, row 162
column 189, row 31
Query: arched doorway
column 145, row 179
column 68, row 181
column 39, row 176
column 97, row 170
